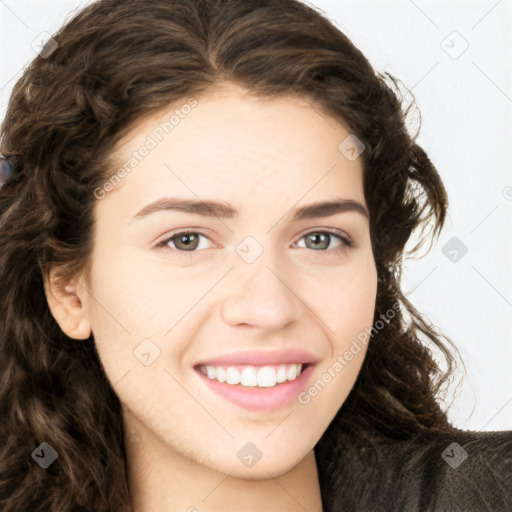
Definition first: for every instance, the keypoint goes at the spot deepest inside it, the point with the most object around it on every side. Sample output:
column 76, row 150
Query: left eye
column 189, row 241
column 323, row 237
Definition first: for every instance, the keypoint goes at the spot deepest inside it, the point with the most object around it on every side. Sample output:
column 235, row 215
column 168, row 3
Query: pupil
column 185, row 240
column 316, row 236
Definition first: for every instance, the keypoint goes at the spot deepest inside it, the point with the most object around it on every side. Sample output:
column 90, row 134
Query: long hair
column 112, row 64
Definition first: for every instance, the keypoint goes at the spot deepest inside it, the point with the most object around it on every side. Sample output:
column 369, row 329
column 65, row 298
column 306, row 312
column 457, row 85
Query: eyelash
column 346, row 242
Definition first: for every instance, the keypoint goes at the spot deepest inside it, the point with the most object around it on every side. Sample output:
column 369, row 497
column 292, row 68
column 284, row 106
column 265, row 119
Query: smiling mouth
column 252, row 376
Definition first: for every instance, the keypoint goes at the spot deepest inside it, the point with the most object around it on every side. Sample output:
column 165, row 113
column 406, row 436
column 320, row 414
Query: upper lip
column 266, row 357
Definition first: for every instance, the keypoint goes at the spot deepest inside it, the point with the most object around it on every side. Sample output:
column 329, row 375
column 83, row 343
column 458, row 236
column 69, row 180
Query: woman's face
column 254, row 281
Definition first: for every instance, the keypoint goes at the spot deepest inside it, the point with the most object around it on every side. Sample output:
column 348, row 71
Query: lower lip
column 261, row 399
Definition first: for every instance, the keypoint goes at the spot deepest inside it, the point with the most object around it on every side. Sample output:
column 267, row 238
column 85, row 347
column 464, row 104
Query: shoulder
column 469, row 471
column 461, row 471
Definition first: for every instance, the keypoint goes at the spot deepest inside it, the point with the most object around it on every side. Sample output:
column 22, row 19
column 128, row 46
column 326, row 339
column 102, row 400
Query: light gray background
column 464, row 96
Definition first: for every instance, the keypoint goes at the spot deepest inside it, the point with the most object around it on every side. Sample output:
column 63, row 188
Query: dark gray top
column 466, row 471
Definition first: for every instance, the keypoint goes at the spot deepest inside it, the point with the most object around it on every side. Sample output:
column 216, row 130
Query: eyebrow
column 210, row 208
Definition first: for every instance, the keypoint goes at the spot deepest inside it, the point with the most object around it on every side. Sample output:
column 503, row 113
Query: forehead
column 232, row 143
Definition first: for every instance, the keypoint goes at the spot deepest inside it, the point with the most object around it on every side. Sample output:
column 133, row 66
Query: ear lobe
column 65, row 300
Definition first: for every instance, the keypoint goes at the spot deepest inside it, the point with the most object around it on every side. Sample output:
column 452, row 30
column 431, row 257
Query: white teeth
column 263, row 376
column 248, row 376
column 220, row 374
column 232, row 375
column 281, row 373
column 211, row 372
column 291, row 373
column 266, row 377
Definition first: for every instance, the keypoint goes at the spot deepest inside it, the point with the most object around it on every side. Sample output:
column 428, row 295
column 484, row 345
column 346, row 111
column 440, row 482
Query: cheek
column 124, row 310
column 125, row 293
column 350, row 307
column 348, row 304
column 134, row 305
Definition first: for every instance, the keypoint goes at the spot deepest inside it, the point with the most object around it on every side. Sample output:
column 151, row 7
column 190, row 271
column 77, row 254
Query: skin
column 265, row 158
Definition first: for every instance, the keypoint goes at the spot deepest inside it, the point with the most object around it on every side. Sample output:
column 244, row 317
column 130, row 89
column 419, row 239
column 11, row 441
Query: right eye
column 183, row 241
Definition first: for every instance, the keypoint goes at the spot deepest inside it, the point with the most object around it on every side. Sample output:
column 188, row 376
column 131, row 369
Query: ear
column 68, row 304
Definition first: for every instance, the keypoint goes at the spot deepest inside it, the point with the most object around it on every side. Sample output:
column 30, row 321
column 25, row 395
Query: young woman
column 203, row 214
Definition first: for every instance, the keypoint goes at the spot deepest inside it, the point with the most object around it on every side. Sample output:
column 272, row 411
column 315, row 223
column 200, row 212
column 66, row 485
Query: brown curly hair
column 117, row 61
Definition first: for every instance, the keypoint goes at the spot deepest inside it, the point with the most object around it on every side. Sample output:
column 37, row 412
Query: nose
column 262, row 296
